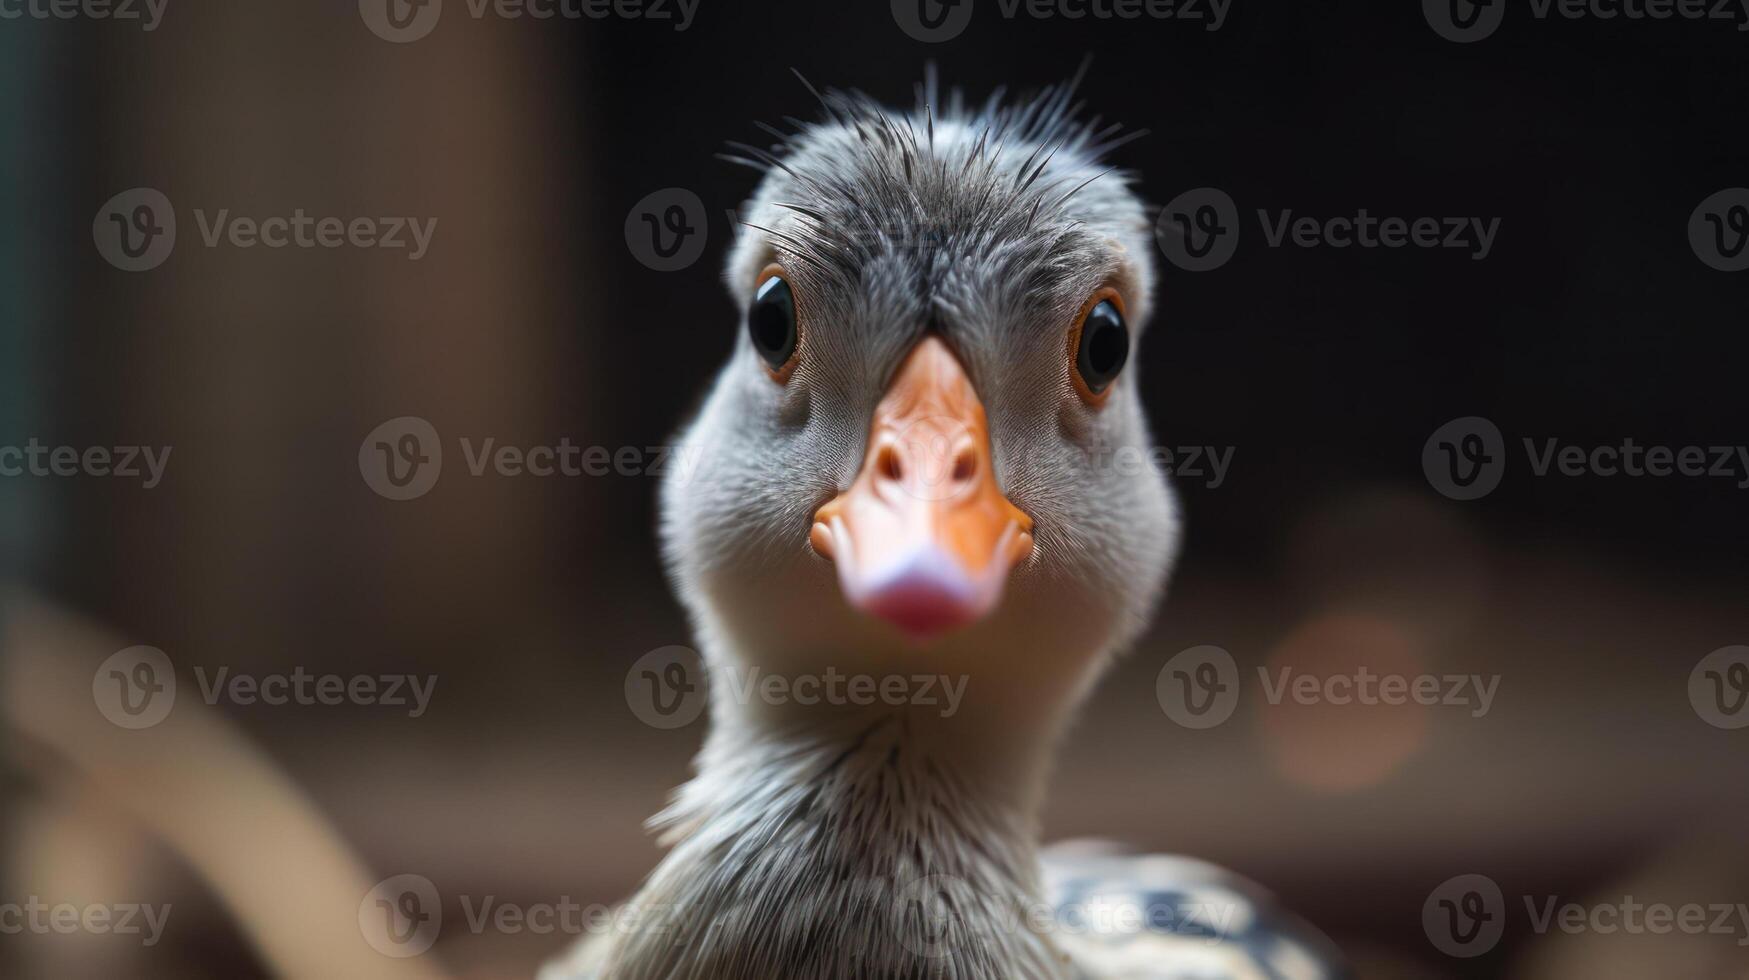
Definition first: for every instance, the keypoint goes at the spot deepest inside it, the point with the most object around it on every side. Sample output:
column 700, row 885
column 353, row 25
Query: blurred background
column 529, row 320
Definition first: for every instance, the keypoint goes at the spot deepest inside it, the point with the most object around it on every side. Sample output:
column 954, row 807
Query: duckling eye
column 1102, row 347
column 771, row 321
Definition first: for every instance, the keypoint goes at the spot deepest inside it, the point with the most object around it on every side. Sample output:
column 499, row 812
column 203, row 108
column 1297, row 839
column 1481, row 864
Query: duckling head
column 927, row 450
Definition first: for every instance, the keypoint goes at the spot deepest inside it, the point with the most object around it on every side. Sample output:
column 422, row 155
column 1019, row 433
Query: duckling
column 914, row 462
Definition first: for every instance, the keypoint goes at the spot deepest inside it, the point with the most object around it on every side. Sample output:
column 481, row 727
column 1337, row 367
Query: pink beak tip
column 925, row 596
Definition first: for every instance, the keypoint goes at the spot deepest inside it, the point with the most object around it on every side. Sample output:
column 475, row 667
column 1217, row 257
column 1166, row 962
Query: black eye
column 1104, row 346
column 771, row 322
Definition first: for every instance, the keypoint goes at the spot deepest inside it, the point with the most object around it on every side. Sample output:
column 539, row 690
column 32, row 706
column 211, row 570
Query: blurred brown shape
column 193, row 780
column 1331, row 746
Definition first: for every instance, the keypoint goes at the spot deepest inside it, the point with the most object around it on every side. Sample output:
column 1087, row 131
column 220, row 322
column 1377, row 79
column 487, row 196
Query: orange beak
column 924, row 538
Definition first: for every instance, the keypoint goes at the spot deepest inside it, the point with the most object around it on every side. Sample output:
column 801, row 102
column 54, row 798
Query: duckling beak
column 924, row 538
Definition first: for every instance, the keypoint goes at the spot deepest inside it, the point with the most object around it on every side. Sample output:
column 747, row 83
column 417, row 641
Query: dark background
column 1326, row 370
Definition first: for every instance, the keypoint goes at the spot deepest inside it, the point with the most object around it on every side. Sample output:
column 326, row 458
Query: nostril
column 965, row 464
column 887, row 462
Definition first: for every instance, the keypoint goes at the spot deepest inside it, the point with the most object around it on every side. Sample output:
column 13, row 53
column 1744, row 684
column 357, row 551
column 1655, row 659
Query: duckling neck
column 867, row 848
